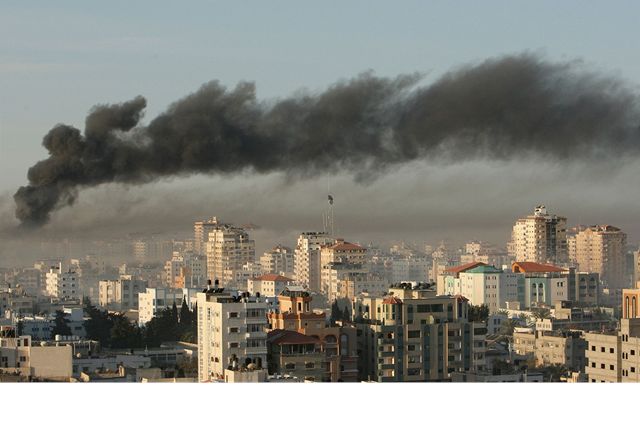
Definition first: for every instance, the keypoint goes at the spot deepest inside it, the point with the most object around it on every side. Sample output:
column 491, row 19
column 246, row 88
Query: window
column 633, row 352
column 593, row 364
column 633, row 369
column 233, row 314
column 610, row 350
column 234, row 330
column 414, row 334
column 602, row 349
column 309, row 365
column 593, row 348
column 290, row 366
column 602, row 366
column 233, row 345
column 611, row 367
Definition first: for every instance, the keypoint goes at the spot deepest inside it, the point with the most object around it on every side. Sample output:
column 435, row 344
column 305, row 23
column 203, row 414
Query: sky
column 58, row 59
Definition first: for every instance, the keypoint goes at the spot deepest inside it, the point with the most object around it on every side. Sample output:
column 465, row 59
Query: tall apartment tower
column 307, row 258
column 231, row 330
column 201, row 230
column 541, row 238
column 228, row 249
column 601, row 249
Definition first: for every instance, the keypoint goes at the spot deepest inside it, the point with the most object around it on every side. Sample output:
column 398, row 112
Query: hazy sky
column 58, row 59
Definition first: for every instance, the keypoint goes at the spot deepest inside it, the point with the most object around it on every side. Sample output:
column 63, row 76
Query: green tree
column 61, row 324
column 336, row 313
column 99, row 324
column 478, row 313
column 124, row 334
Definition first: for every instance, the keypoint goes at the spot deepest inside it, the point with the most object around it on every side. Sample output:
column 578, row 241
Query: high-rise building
column 540, row 238
column 201, row 230
column 307, row 258
column 231, row 331
column 228, row 249
column 601, row 249
column 343, row 253
column 412, row 334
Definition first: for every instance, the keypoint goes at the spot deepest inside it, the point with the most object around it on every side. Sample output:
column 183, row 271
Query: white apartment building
column 268, row 285
column 541, row 238
column 231, row 332
column 482, row 284
column 121, row 294
column 62, row 284
column 156, row 299
column 228, row 249
column 307, row 258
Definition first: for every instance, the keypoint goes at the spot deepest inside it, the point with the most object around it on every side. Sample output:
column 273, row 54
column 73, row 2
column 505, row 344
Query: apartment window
column 414, row 334
column 593, row 364
column 611, row 367
column 633, row 369
column 309, row 365
column 233, row 345
column 602, row 366
column 290, row 366
column 233, row 314
column 602, row 349
column 234, row 330
column 593, row 348
column 411, row 347
column 610, row 350
column 633, row 352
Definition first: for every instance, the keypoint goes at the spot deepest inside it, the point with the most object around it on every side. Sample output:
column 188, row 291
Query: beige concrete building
column 201, row 230
column 415, row 335
column 540, row 238
column 269, row 285
column 228, row 249
column 278, row 260
column 50, row 362
column 62, row 284
column 551, row 348
column 295, row 354
column 601, row 249
column 231, row 332
column 121, row 294
column 307, row 258
column 337, row 343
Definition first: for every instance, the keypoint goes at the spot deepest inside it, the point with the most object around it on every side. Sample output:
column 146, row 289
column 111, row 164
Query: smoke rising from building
column 515, row 106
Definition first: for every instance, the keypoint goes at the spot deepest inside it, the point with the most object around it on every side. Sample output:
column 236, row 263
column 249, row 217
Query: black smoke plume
column 516, row 107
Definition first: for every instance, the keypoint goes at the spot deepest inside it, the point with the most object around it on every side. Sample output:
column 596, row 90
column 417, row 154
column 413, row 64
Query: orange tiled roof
column 534, row 267
column 392, row 300
column 463, row 267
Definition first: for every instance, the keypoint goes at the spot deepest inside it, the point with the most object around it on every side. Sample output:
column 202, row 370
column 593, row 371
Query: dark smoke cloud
column 512, row 107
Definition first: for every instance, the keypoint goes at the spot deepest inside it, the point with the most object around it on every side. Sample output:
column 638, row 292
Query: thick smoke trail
column 512, row 107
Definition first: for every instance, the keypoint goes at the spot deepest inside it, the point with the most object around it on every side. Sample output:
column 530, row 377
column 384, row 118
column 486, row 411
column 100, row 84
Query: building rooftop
column 534, row 267
column 463, row 267
column 484, row 269
column 284, row 336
